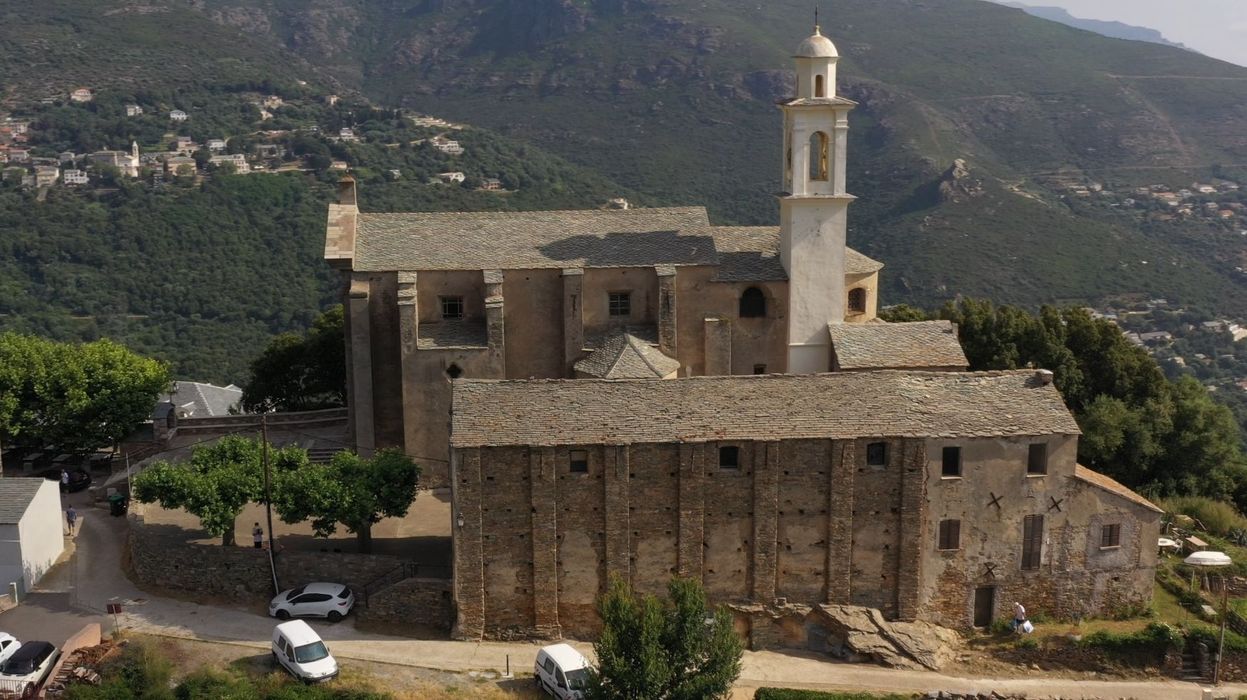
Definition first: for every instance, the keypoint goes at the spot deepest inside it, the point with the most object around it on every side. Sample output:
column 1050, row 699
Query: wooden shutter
column 950, row 534
column 1110, row 536
column 1032, row 541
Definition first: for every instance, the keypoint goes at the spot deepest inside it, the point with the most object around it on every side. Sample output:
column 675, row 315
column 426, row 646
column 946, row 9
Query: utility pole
column 268, row 503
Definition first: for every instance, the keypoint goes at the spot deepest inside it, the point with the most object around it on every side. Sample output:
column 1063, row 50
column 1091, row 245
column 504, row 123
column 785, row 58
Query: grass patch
column 1216, row 517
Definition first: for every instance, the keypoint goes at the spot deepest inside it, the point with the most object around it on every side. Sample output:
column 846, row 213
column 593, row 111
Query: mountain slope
column 1111, row 29
column 675, row 99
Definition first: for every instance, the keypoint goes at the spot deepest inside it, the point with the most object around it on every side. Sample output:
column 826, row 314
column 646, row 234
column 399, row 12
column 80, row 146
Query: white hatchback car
column 328, row 600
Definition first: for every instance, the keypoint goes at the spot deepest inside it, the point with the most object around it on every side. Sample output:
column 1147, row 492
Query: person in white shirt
column 1019, row 615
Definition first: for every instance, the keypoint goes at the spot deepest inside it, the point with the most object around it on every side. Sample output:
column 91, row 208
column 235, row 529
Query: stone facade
column 415, row 601
column 780, row 518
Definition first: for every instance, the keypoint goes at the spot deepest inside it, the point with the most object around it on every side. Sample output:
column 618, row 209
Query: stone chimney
column 346, row 191
column 1043, row 377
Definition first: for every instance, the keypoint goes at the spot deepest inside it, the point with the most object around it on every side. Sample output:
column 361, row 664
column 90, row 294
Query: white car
column 328, row 600
column 28, row 665
column 561, row 672
column 299, row 650
column 8, row 645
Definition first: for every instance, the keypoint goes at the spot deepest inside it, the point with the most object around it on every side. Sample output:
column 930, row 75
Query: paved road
column 95, row 577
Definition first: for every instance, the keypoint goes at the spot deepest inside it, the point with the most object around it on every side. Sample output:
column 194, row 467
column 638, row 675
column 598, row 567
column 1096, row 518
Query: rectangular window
column 579, row 461
column 877, row 454
column 729, row 457
column 1032, row 541
column 952, row 462
column 950, row 534
column 1037, row 459
column 620, row 304
column 1110, row 536
column 759, row 369
column 452, row 307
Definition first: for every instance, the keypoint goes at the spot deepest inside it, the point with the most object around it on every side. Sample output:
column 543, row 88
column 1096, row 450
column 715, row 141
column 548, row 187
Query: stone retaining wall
column 418, row 601
column 161, row 557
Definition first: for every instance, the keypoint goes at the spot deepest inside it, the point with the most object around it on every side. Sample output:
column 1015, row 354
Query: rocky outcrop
column 957, row 183
column 863, row 634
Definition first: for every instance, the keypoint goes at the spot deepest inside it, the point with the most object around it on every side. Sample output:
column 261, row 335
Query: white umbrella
column 1208, row 559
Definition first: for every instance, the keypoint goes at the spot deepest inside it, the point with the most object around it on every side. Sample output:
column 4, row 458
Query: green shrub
column 1156, row 638
column 210, row 684
column 1217, row 517
column 791, row 694
column 1027, row 643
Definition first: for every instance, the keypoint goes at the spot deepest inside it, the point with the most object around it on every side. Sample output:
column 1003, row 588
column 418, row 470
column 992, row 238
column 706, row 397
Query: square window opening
column 950, row 535
column 1110, row 536
column 452, row 308
column 877, row 454
column 951, row 462
column 759, row 369
column 579, row 461
column 620, row 304
column 1037, row 459
column 729, row 457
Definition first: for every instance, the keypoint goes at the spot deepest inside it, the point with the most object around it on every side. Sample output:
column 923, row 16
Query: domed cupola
column 816, row 67
column 817, row 46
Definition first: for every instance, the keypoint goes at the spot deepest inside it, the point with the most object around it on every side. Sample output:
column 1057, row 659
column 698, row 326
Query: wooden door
column 984, row 604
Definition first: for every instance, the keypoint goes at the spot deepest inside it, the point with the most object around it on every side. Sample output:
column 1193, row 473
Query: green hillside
column 675, row 99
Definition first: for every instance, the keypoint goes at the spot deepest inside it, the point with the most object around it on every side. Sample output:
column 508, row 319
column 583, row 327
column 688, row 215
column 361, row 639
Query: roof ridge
column 918, row 373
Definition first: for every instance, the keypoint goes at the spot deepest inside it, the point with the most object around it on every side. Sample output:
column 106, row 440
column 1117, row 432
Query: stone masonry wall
column 418, row 601
column 161, row 557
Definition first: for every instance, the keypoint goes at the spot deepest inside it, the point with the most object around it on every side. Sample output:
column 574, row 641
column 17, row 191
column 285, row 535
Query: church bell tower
column 814, row 205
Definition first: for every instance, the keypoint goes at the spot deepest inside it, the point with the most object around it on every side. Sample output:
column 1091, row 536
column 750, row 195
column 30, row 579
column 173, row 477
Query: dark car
column 79, row 479
column 30, row 663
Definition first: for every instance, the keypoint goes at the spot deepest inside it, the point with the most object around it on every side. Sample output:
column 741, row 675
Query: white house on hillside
column 31, row 535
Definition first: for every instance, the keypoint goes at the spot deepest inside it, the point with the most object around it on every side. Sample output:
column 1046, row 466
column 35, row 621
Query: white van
column 298, row 648
column 562, row 672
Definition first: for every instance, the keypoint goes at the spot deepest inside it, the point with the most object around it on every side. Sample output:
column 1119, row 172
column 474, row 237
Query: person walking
column 257, row 536
column 1019, row 617
column 71, row 517
column 64, row 481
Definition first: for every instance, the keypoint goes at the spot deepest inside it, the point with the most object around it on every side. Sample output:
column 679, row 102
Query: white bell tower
column 814, row 205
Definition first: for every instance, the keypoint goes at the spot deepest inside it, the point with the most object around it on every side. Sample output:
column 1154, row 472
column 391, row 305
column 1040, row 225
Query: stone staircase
column 322, row 455
column 1195, row 664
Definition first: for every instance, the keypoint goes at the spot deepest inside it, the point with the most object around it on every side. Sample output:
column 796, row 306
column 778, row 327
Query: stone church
column 637, row 392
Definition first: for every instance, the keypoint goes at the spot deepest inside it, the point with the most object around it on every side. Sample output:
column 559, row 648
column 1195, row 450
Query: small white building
column 238, row 160
column 454, row 177
column 133, row 110
column 75, row 177
column 31, row 534
column 178, row 115
column 46, row 175
column 81, row 95
column 448, row 146
column 216, row 144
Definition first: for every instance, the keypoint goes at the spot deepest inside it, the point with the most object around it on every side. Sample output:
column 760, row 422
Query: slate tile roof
column 916, row 345
column 625, row 356
column 647, row 332
column 452, row 334
column 570, row 239
column 532, row 239
column 773, row 407
column 1112, row 486
column 15, row 496
column 199, row 400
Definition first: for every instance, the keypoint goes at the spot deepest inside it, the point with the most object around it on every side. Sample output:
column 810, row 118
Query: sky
column 1217, row 28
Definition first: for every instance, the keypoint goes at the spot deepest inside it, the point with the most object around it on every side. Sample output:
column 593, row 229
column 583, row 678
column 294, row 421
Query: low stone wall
column 161, row 557
column 417, row 601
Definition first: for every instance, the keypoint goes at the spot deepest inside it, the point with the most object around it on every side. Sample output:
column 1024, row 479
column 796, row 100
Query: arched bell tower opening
column 814, row 206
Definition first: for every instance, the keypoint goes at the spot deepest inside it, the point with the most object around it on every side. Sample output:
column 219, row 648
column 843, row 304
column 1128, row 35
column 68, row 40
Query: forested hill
column 675, row 98
column 201, row 270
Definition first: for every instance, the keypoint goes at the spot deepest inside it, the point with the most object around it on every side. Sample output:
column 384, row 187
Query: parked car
column 298, row 649
column 8, row 645
column 328, row 600
column 562, row 672
column 28, row 665
column 79, row 479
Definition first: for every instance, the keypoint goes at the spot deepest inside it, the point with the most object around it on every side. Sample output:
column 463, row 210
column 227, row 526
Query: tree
column 217, row 482
column 76, row 396
column 354, row 492
column 301, row 373
column 670, row 650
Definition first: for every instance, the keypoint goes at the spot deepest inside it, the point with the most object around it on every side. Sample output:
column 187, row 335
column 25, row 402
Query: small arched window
column 820, row 89
column 752, row 303
column 857, row 301
column 819, row 156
